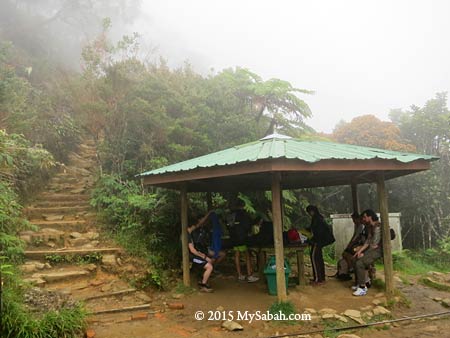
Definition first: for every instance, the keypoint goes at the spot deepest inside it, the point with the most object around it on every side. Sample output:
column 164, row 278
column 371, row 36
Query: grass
column 286, row 308
column 18, row 322
column 180, row 288
column 435, row 285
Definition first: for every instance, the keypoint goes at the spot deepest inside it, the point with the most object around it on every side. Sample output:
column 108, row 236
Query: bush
column 145, row 224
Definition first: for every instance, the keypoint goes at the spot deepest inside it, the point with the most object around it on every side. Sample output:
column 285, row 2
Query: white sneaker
column 355, row 287
column 241, row 278
column 252, row 279
column 360, row 292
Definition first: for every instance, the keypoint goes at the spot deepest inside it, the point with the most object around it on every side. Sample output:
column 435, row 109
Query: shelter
column 278, row 162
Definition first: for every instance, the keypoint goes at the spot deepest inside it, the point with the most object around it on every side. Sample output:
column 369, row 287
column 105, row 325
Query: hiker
column 209, row 240
column 199, row 257
column 345, row 264
column 321, row 237
column 239, row 227
column 370, row 251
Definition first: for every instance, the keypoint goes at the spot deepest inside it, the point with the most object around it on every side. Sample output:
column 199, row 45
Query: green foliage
column 17, row 321
column 287, row 308
column 94, row 257
column 145, row 224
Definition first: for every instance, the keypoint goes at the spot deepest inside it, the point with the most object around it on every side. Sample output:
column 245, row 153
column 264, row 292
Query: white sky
column 361, row 57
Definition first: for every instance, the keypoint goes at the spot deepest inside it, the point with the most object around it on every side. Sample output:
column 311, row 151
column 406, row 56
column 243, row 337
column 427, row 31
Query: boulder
column 232, row 326
column 327, row 311
column 379, row 310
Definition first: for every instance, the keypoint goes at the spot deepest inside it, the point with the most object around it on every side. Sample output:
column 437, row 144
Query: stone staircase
column 66, row 253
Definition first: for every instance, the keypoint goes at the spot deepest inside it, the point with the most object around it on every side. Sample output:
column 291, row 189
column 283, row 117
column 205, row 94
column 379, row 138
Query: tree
column 369, row 131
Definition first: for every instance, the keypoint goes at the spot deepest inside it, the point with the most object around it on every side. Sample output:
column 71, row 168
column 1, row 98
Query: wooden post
column 387, row 251
column 301, row 267
column 355, row 198
column 278, row 237
column 184, row 239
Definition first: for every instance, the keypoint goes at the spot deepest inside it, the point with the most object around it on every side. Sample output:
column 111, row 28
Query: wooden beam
column 278, row 237
column 285, row 165
column 355, row 198
column 184, row 238
column 387, row 251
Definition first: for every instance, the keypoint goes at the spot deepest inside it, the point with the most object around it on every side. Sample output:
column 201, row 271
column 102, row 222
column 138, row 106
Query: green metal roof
column 281, row 146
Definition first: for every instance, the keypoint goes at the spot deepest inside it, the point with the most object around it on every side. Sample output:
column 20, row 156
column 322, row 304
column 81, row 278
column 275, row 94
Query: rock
column 91, row 267
column 91, row 235
column 78, row 241
column 109, row 260
column 75, row 235
column 379, row 310
column 96, row 243
column 144, row 297
column 50, row 244
column 348, row 335
column 48, row 266
column 179, row 296
column 39, row 265
column 341, row 318
column 106, row 287
column 60, row 275
column 446, row 302
column 232, row 326
column 366, row 308
column 28, row 268
column 35, row 281
column 328, row 316
column 379, row 294
column 369, row 314
column 327, row 311
column 53, row 217
column 352, row 313
column 380, row 301
column 220, row 308
column 310, row 310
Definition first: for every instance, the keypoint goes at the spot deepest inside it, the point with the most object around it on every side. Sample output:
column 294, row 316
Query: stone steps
column 38, row 212
column 49, row 204
column 64, row 225
column 61, row 274
column 39, row 254
column 64, row 197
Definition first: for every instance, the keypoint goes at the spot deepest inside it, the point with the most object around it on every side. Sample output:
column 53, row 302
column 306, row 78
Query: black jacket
column 321, row 231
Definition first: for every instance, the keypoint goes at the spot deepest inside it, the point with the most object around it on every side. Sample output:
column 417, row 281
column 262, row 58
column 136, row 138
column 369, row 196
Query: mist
column 360, row 57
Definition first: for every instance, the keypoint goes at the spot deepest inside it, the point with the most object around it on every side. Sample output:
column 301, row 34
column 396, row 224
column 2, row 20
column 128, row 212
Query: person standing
column 239, row 229
column 321, row 237
column 366, row 255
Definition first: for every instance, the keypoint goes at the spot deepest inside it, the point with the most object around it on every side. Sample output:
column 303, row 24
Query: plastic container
column 271, row 274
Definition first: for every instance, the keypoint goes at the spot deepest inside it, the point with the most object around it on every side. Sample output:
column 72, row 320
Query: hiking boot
column 205, row 287
column 252, row 279
column 360, row 292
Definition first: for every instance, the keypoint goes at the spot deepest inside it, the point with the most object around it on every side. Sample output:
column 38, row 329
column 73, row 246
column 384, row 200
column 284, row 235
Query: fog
column 360, row 57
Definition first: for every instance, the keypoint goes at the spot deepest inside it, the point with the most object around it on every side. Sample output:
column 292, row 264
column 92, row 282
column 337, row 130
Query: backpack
column 201, row 239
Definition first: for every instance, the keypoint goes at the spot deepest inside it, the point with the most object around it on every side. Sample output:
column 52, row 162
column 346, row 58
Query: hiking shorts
column 240, row 248
column 199, row 261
